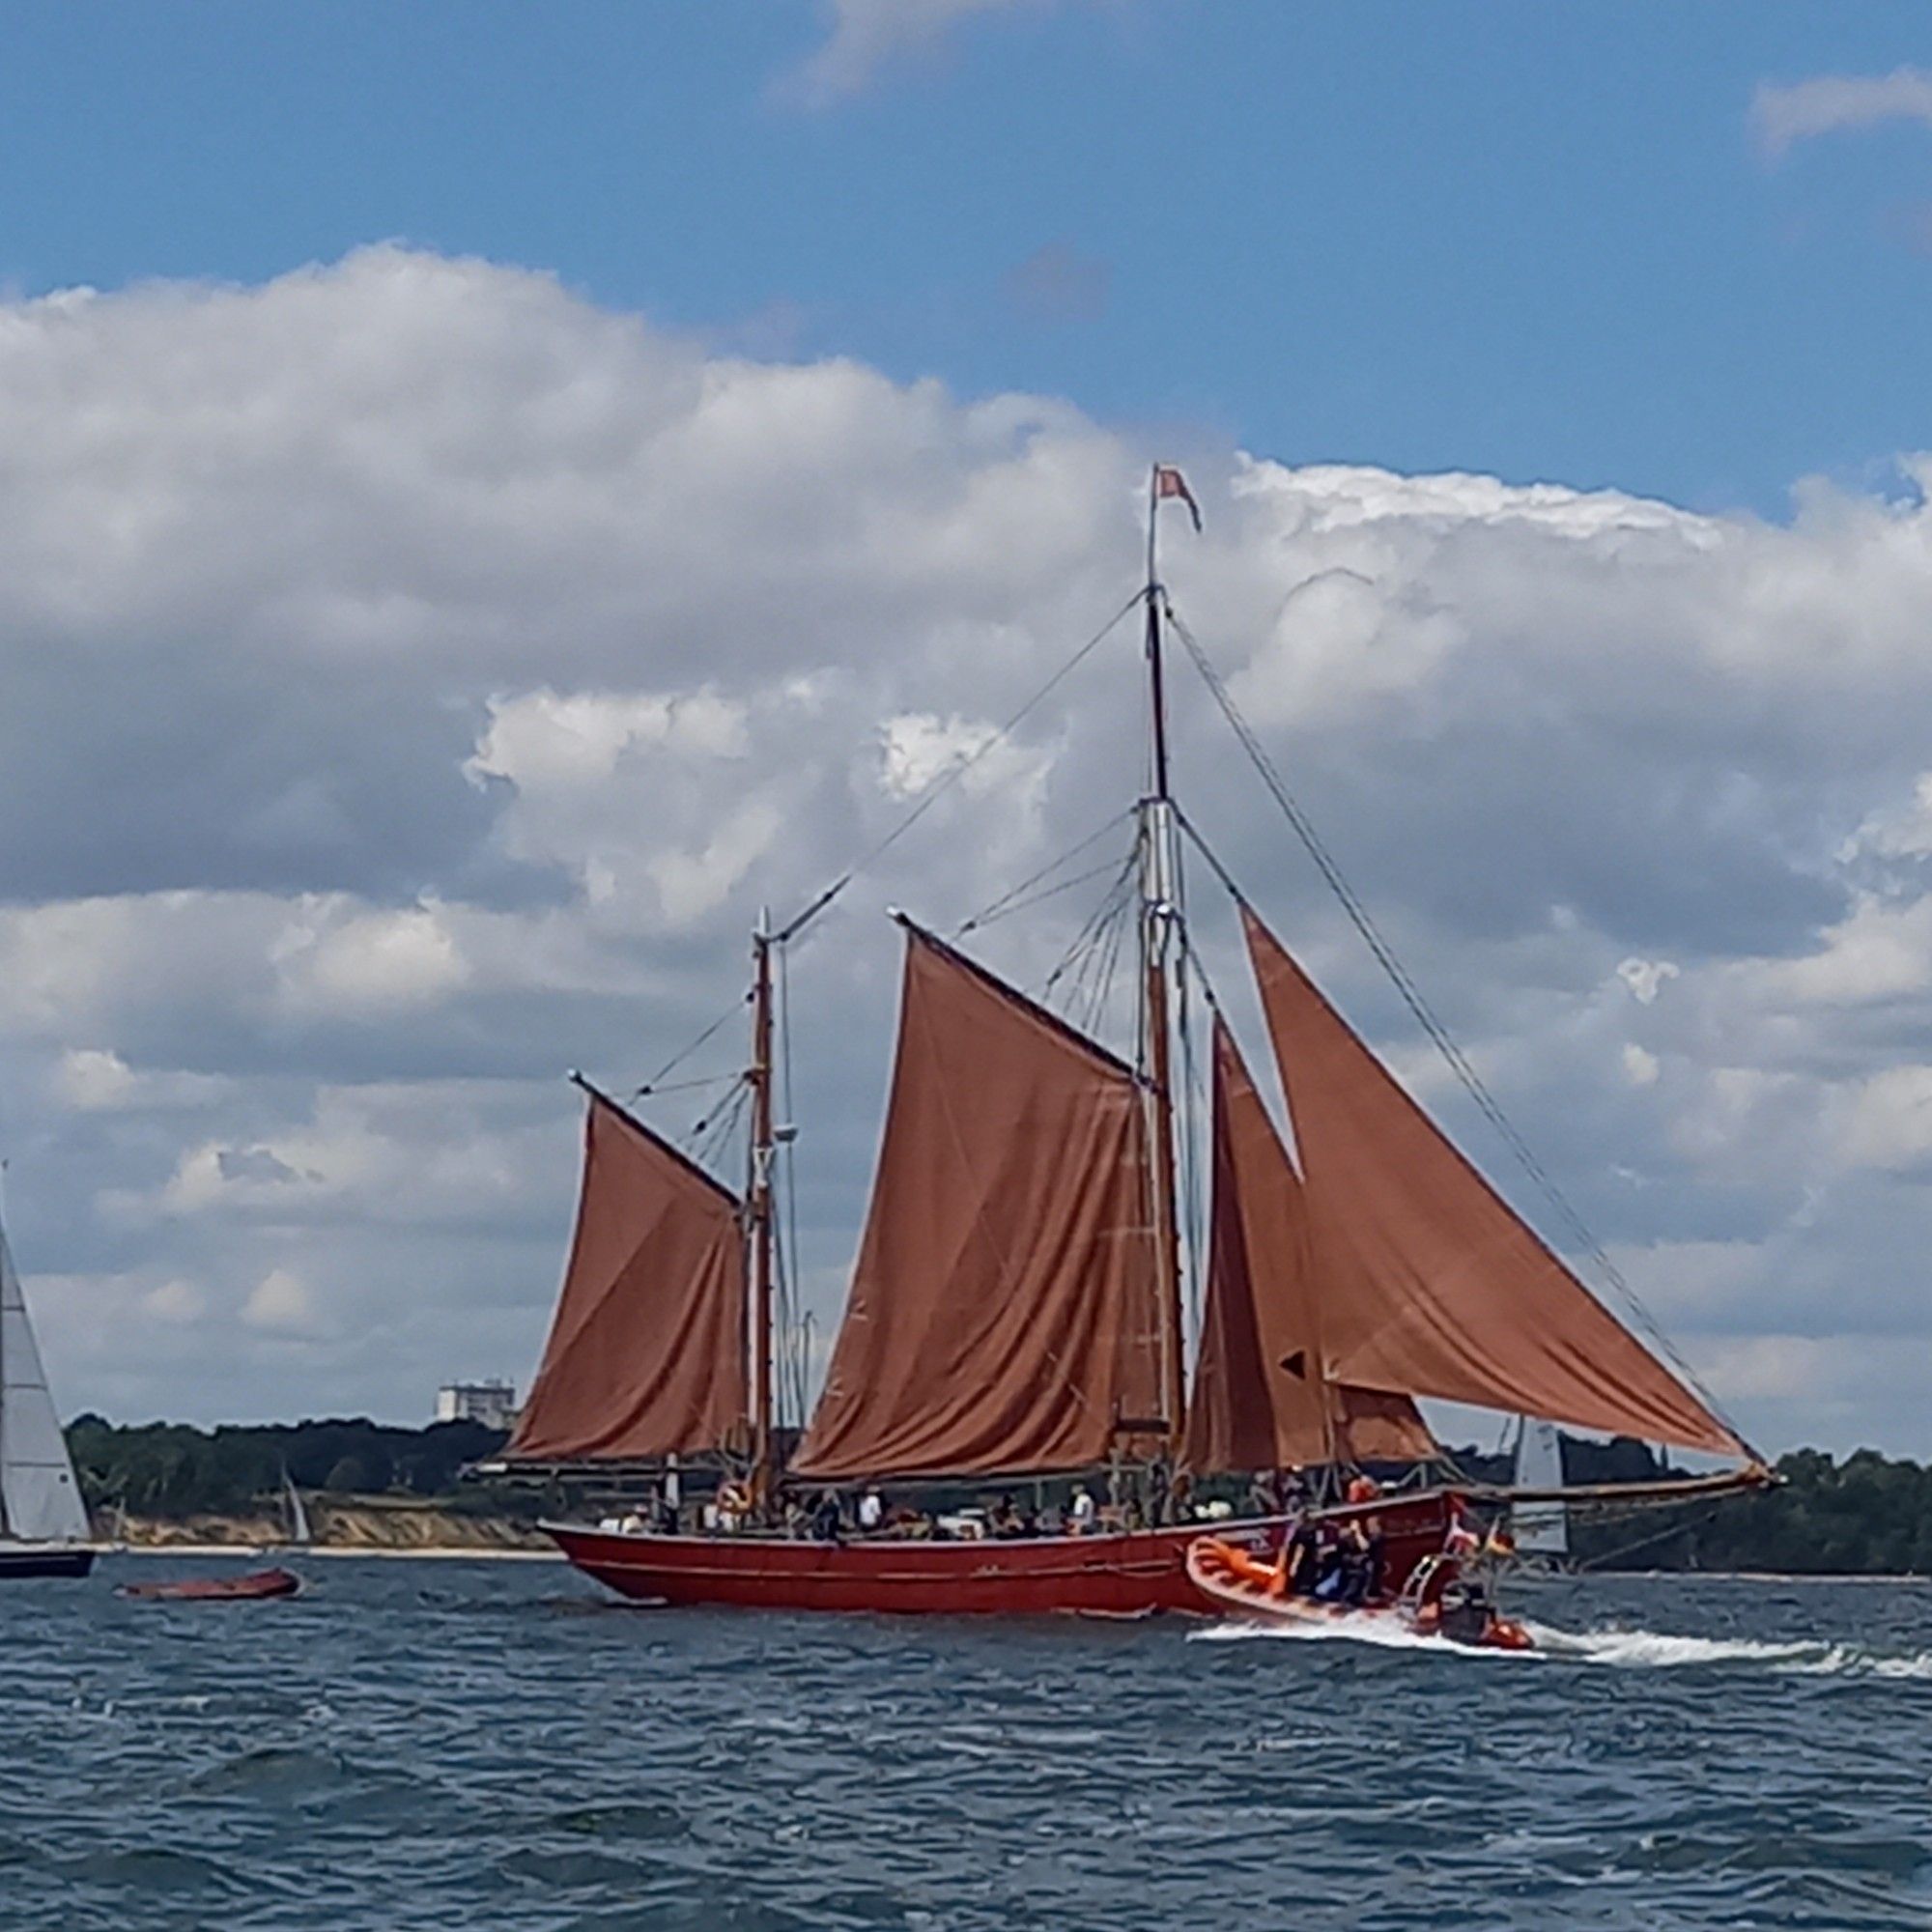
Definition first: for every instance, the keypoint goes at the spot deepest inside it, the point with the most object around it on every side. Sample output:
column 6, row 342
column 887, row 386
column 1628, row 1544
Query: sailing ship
column 44, row 1527
column 1016, row 1310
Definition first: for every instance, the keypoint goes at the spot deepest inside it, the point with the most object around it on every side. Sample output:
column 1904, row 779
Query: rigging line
column 1040, row 897
column 690, row 1086
column 1089, row 933
column 1425, row 1016
column 944, row 780
column 1092, row 983
column 1095, row 982
column 720, row 1126
column 683, row 1054
column 1006, row 898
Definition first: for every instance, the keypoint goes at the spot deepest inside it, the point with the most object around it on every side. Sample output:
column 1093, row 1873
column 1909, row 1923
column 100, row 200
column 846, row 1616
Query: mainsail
column 1263, row 1396
column 646, row 1355
column 1002, row 1317
column 1431, row 1285
column 40, row 1499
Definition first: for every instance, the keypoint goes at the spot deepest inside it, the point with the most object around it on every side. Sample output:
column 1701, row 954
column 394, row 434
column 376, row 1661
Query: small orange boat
column 254, row 1586
column 1438, row 1601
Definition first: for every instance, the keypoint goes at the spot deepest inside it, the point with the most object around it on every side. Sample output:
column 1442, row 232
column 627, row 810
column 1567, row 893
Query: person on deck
column 1081, row 1512
column 871, row 1513
column 826, row 1522
column 1006, row 1518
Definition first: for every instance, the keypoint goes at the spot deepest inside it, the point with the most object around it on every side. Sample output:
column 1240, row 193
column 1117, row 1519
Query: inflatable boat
column 251, row 1588
column 1439, row 1600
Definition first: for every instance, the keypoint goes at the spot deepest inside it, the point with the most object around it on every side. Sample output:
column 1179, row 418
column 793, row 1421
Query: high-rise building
column 493, row 1403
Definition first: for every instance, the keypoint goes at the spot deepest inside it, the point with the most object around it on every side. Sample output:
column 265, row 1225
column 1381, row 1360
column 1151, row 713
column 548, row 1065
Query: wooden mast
column 1159, row 915
column 758, row 1211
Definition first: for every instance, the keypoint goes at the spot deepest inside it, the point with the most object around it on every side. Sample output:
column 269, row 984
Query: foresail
column 1002, row 1314
column 647, row 1353
column 1262, row 1394
column 39, row 1497
column 1431, row 1284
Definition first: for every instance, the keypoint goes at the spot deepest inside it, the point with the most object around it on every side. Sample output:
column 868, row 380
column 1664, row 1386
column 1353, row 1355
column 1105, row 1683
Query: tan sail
column 646, row 1354
column 1002, row 1314
column 1264, row 1397
column 1431, row 1285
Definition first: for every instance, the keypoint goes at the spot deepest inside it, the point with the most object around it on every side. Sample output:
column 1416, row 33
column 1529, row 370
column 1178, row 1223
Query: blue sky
column 1531, row 240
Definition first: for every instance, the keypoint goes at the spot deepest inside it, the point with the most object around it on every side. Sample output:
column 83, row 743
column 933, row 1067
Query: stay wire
column 684, row 1053
column 1424, row 1014
column 946, row 780
column 1006, row 902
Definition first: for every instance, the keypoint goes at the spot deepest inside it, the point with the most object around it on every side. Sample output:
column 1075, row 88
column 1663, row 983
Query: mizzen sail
column 1002, row 1317
column 40, row 1499
column 646, row 1355
column 1263, row 1396
column 1431, row 1285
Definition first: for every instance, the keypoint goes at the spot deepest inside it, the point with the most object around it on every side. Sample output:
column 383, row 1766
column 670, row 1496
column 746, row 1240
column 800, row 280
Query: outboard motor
column 1466, row 1611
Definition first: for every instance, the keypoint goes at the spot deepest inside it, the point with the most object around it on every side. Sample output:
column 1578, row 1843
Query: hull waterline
column 21, row 1561
column 1129, row 1574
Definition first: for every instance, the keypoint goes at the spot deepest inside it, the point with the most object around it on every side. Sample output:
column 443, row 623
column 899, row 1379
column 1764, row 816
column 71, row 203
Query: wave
column 1615, row 1649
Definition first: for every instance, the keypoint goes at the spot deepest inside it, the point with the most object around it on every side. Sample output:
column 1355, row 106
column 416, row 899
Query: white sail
column 40, row 1499
column 1541, row 1529
column 299, row 1534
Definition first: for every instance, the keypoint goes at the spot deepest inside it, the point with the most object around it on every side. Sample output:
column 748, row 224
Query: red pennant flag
column 1168, row 481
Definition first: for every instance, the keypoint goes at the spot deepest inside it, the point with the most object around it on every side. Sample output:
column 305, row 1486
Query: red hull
column 251, row 1588
column 1125, row 1574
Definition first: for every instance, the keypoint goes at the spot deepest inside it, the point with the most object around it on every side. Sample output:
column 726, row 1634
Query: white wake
column 1617, row 1649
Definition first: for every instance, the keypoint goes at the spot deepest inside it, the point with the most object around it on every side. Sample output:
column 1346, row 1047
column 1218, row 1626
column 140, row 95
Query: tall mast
column 759, row 1206
column 1156, row 930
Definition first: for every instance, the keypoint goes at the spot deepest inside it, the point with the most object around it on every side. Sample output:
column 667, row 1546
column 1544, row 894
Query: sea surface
column 495, row 1746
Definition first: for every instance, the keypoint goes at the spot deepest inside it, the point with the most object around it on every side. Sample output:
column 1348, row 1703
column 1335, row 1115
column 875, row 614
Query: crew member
column 1081, row 1512
column 825, row 1518
column 871, row 1513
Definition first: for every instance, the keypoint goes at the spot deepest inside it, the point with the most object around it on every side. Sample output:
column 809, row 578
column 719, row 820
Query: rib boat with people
column 1018, row 1311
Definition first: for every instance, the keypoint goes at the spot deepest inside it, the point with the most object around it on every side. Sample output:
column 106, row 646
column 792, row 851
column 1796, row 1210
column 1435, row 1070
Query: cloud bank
column 1834, row 103
column 417, row 678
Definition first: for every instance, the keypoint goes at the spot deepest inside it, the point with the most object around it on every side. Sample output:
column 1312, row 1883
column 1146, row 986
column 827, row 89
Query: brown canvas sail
column 1264, row 1397
column 1430, row 1284
column 1002, row 1314
column 647, row 1353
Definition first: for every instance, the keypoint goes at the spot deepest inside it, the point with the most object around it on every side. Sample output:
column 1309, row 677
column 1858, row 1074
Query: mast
column 1159, row 915
column 758, row 1210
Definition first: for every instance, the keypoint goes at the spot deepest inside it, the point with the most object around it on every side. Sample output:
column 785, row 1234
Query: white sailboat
column 1541, row 1529
column 300, row 1534
column 43, row 1528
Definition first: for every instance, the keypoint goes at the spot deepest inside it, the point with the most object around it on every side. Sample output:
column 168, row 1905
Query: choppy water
column 493, row 1746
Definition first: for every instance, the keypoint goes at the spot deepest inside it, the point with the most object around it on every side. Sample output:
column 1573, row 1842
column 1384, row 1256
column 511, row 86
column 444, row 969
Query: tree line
column 172, row 1470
